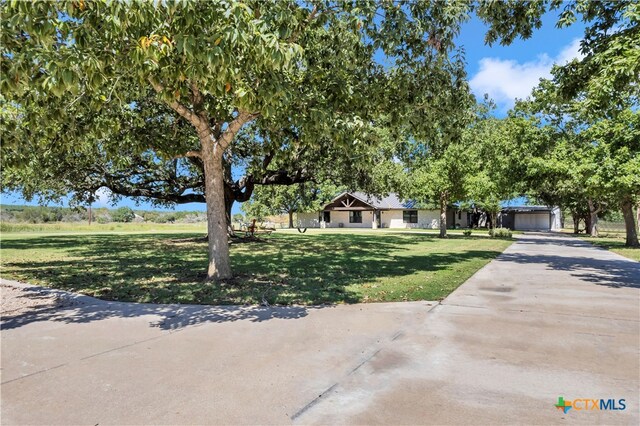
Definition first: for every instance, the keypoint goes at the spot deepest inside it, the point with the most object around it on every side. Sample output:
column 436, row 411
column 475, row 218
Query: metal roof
column 527, row 209
column 391, row 201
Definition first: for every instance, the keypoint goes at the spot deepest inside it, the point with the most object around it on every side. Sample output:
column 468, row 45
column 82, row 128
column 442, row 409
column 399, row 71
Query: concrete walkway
column 552, row 316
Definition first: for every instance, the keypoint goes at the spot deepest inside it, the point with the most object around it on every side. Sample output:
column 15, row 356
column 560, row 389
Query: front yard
column 616, row 245
column 288, row 268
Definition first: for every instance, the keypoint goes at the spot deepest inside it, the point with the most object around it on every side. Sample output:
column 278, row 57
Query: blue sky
column 509, row 72
column 504, row 72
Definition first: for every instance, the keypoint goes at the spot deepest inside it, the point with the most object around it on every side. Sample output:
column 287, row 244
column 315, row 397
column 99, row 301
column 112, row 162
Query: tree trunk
column 593, row 219
column 211, row 153
column 228, row 206
column 576, row 222
column 291, row 219
column 443, row 215
column 587, row 222
column 219, row 262
column 629, row 223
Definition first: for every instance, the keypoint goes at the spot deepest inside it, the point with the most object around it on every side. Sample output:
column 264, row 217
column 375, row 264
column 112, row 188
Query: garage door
column 532, row 221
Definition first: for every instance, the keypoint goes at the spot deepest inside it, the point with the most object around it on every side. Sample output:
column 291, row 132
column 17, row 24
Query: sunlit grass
column 287, row 268
column 615, row 243
column 64, row 227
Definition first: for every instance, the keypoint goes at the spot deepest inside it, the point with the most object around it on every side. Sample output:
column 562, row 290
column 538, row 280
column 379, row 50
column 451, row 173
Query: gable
column 347, row 201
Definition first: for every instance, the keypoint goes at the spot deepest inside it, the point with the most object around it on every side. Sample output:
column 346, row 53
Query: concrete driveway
column 552, row 316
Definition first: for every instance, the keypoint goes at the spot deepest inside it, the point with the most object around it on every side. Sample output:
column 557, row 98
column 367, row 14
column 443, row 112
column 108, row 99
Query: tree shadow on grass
column 611, row 244
column 286, row 270
column 84, row 309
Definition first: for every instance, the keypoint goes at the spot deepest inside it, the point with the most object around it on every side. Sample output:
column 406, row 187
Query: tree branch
column 184, row 112
column 234, row 127
column 197, row 96
column 119, row 189
column 196, row 154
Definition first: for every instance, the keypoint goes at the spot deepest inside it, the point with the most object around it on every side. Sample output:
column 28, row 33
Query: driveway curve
column 552, row 316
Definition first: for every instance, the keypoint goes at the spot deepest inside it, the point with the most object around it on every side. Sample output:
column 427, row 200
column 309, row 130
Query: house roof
column 391, row 201
column 524, row 209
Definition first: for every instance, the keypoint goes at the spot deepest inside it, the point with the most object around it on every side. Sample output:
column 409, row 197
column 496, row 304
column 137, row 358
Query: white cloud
column 506, row 79
column 103, row 195
column 570, row 52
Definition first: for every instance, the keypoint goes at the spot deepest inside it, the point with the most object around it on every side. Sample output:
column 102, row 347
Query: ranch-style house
column 359, row 210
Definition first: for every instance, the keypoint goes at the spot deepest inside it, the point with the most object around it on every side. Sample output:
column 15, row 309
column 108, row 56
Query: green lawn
column 310, row 268
column 615, row 244
column 114, row 227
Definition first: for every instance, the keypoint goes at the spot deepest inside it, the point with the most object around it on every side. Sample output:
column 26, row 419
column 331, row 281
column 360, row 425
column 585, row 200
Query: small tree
column 273, row 200
column 122, row 214
column 436, row 155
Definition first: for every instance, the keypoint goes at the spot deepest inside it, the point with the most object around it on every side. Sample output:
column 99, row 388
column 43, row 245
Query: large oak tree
column 302, row 67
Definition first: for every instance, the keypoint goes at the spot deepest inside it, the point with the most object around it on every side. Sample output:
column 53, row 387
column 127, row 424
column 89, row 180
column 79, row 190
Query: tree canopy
column 585, row 164
column 301, row 74
column 288, row 200
column 166, row 100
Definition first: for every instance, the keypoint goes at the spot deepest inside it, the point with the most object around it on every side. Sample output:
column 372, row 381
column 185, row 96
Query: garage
column 530, row 218
column 538, row 221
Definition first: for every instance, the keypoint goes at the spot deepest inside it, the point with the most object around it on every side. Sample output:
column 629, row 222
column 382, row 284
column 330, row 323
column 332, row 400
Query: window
column 355, row 217
column 326, row 217
column 410, row 216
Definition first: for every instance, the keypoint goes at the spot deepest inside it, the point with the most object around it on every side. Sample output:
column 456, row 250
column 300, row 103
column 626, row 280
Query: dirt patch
column 17, row 300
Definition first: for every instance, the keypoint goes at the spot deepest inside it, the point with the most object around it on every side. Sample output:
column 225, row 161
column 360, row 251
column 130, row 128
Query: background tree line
column 47, row 214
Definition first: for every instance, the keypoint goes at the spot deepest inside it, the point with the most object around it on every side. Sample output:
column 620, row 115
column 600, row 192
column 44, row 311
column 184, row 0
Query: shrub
column 500, row 233
column 123, row 214
column 75, row 217
column 467, row 232
column 150, row 216
column 194, row 218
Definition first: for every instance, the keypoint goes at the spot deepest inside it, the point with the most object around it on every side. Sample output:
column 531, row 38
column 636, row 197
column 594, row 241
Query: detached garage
column 531, row 218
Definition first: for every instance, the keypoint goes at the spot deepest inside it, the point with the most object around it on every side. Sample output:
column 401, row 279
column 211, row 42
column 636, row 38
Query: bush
column 150, row 216
column 500, row 233
column 104, row 218
column 123, row 214
column 194, row 218
column 75, row 217
column 467, row 232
